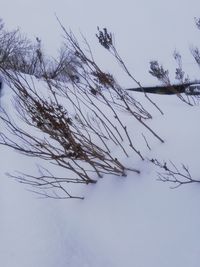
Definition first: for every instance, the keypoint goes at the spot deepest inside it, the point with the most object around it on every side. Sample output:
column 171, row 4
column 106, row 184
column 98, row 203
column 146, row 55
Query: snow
column 123, row 221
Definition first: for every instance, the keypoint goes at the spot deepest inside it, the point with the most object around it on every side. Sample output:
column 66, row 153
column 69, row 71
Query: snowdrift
column 123, row 221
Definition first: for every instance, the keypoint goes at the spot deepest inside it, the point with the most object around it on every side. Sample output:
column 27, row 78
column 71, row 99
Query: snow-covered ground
column 129, row 221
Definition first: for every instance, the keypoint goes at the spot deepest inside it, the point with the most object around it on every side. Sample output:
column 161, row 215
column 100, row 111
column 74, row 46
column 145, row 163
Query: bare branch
column 172, row 174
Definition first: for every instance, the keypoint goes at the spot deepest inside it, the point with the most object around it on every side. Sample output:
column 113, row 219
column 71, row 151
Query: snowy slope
column 132, row 221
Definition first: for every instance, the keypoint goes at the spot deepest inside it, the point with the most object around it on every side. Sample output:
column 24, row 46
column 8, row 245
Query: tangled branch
column 73, row 123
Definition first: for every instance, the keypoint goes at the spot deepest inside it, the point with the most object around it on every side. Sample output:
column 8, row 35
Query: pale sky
column 144, row 30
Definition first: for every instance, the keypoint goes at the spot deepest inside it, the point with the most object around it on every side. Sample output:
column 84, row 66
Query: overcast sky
column 144, row 30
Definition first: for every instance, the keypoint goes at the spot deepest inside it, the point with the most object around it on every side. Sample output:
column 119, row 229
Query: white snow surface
column 123, row 221
column 133, row 221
